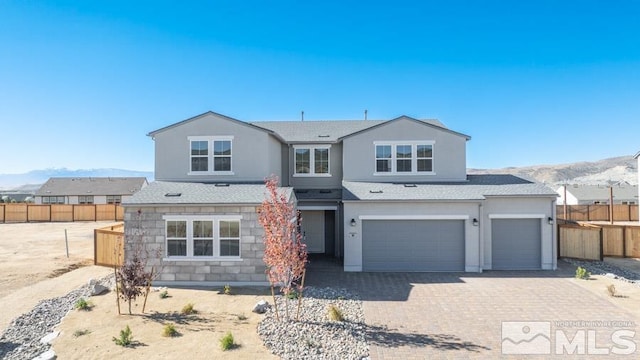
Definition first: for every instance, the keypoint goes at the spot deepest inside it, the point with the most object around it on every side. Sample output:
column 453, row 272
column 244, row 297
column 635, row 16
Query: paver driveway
column 460, row 315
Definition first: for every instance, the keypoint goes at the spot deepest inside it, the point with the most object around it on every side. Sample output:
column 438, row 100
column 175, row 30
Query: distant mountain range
column 622, row 169
column 32, row 180
column 603, row 172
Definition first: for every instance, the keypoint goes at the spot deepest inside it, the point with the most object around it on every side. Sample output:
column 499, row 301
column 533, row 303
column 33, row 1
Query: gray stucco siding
column 255, row 153
column 449, row 152
column 248, row 269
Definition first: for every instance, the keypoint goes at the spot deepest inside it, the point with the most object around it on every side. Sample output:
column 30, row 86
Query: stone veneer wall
column 249, row 270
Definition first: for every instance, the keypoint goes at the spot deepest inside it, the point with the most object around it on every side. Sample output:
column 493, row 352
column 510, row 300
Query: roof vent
column 324, row 136
column 410, row 185
column 375, row 191
column 325, row 191
column 173, row 194
column 222, row 185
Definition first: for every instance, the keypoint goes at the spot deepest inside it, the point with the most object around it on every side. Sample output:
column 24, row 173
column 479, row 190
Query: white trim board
column 517, row 216
column 414, row 217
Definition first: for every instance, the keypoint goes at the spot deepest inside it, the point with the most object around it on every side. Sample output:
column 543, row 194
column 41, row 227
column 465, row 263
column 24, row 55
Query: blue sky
column 532, row 82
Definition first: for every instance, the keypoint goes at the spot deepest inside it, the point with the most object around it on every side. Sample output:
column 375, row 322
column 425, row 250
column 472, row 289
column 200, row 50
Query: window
column 311, row 161
column 85, row 199
column 114, row 199
column 411, row 157
column 53, row 200
column 203, row 236
column 210, row 155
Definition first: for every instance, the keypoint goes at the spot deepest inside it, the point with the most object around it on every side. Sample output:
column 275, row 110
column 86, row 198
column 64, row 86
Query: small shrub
column 169, row 330
column 334, row 313
column 164, row 294
column 582, row 273
column 188, row 309
column 226, row 342
column 242, row 317
column 293, row 295
column 612, row 290
column 125, row 338
column 83, row 304
column 227, row 289
column 79, row 333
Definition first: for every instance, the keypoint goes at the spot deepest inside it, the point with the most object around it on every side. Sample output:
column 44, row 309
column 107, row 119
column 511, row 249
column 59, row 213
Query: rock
column 47, row 355
column 98, row 289
column 610, row 275
column 49, row 337
column 92, row 282
column 261, row 307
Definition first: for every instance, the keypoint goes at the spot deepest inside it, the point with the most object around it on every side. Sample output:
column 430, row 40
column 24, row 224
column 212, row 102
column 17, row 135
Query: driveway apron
column 496, row 314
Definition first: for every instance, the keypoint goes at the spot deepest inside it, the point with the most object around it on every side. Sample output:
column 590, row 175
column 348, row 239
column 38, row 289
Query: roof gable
column 205, row 115
column 430, row 123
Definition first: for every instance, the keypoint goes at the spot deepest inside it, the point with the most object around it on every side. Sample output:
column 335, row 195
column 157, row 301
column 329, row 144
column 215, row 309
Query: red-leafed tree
column 285, row 255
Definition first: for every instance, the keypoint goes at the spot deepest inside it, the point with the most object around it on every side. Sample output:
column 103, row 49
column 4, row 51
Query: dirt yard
column 198, row 334
column 34, row 265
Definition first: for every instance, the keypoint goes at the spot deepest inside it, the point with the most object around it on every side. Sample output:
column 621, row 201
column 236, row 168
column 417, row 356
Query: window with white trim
column 53, row 199
column 85, row 199
column 114, row 199
column 210, row 155
column 200, row 237
column 311, row 160
column 406, row 157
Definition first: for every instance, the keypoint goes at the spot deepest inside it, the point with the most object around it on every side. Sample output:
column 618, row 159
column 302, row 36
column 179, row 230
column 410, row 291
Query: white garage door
column 413, row 245
column 515, row 244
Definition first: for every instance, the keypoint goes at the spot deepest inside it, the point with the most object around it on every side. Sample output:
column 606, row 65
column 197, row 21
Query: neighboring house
column 88, row 190
column 8, row 196
column 382, row 195
column 597, row 194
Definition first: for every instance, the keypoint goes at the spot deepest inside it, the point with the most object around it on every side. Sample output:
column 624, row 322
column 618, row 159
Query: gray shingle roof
column 328, row 131
column 601, row 193
column 478, row 187
column 70, row 186
column 199, row 193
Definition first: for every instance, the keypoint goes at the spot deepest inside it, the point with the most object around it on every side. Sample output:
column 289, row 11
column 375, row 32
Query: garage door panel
column 515, row 244
column 413, row 245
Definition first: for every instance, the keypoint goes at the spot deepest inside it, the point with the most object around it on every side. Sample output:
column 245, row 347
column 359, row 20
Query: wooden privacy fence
column 598, row 212
column 593, row 242
column 108, row 245
column 21, row 213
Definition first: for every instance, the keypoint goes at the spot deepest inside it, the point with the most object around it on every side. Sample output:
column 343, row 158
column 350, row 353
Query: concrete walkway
column 461, row 315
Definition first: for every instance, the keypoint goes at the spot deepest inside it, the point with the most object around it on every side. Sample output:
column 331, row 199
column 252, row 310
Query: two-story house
column 381, row 195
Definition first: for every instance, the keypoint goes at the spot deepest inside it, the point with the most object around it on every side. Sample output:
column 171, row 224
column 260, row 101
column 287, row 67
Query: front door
column 313, row 230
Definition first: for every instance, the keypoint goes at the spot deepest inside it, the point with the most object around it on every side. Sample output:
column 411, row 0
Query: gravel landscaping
column 608, row 270
column 315, row 336
column 21, row 340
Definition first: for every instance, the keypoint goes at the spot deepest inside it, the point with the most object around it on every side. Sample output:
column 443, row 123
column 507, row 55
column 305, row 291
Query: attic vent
column 173, row 194
column 410, row 185
column 324, row 136
column 325, row 191
column 222, row 185
column 375, row 191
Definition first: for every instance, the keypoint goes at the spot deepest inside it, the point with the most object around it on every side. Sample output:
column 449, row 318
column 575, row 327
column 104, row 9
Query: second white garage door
column 413, row 245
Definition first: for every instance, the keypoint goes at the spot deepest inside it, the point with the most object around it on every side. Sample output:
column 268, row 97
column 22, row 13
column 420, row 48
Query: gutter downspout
column 554, row 234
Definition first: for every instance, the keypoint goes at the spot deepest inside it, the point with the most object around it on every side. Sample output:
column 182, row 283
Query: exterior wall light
column 550, row 220
column 353, row 222
column 474, row 222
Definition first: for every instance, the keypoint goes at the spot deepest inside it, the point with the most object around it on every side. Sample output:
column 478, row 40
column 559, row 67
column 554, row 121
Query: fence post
column 624, row 241
column 601, row 244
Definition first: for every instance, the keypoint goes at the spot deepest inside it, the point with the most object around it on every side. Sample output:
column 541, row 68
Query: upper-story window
column 114, row 199
column 404, row 157
column 210, row 155
column 311, row 160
